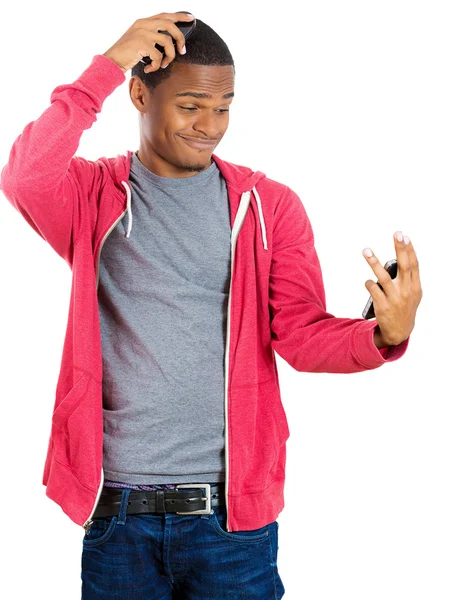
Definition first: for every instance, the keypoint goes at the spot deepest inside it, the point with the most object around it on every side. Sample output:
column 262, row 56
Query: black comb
column 186, row 27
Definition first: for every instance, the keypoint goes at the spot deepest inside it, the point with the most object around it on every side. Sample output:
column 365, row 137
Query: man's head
column 189, row 100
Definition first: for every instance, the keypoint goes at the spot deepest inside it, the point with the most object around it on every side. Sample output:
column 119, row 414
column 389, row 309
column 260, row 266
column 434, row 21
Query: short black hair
column 203, row 47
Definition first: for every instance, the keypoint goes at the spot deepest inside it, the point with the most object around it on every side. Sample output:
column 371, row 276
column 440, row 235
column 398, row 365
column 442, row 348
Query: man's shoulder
column 264, row 183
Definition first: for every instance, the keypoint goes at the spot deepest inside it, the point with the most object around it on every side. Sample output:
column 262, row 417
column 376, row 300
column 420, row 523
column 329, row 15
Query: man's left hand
column 396, row 304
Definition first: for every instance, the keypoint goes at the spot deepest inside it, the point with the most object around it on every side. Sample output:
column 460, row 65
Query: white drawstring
column 253, row 192
column 261, row 218
column 128, row 205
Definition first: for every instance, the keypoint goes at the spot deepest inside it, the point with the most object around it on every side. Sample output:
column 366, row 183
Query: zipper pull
column 87, row 526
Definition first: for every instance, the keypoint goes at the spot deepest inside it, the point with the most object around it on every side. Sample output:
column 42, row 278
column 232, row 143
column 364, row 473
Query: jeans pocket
column 100, row 531
column 218, row 522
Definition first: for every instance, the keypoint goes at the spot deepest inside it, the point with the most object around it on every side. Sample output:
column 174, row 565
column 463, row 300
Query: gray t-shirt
column 163, row 297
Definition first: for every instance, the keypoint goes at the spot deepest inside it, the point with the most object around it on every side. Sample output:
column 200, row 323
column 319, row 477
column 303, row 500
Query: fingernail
column 367, row 252
column 406, row 239
column 183, row 50
column 399, row 236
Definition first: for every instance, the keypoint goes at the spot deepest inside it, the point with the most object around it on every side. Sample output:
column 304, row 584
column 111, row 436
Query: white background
column 360, row 107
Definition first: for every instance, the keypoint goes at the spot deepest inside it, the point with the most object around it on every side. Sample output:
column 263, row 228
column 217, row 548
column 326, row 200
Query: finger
column 377, row 294
column 175, row 32
column 383, row 276
column 403, row 262
column 178, row 16
column 169, row 50
column 169, row 25
column 414, row 268
column 157, row 58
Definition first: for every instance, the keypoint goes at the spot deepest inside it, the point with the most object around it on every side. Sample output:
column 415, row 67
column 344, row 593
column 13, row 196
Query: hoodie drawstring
column 128, row 206
column 253, row 193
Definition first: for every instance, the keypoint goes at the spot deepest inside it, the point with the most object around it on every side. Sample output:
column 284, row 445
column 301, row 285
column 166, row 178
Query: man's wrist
column 379, row 340
column 107, row 55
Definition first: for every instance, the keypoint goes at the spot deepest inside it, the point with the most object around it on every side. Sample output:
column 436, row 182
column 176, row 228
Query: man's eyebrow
column 200, row 95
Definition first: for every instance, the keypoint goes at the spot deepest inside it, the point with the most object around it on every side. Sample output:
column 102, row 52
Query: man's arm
column 303, row 333
column 42, row 178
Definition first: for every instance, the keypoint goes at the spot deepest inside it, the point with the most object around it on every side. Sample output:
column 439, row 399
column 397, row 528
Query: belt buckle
column 203, row 511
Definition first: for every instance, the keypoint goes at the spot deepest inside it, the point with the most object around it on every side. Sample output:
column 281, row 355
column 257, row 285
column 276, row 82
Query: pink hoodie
column 276, row 303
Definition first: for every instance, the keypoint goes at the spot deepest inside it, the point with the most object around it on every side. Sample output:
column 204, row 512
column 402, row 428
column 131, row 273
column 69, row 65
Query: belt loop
column 160, row 501
column 123, row 506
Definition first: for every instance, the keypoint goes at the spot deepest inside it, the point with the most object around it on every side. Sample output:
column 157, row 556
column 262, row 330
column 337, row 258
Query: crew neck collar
column 202, row 177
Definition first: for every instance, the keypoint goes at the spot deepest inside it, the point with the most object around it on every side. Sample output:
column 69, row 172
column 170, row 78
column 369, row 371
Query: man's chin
column 196, row 167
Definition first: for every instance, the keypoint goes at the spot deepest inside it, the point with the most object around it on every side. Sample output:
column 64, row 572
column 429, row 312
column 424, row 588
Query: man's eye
column 191, row 108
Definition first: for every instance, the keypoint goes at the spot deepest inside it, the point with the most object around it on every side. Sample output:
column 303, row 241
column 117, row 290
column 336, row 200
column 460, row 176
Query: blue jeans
column 178, row 557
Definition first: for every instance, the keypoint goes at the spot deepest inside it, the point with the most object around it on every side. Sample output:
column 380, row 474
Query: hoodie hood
column 242, row 179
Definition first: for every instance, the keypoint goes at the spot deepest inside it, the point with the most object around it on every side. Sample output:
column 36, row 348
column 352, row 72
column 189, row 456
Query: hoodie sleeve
column 42, row 179
column 303, row 333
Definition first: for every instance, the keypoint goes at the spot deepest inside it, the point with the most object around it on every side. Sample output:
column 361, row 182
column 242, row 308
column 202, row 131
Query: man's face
column 191, row 106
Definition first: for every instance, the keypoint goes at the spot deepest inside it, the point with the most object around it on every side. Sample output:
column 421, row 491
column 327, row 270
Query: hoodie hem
column 75, row 499
column 245, row 508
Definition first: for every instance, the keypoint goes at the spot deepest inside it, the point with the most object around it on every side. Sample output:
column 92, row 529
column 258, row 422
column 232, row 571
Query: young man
column 168, row 435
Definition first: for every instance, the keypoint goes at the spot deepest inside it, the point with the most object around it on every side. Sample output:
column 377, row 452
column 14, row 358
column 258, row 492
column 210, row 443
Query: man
column 168, row 433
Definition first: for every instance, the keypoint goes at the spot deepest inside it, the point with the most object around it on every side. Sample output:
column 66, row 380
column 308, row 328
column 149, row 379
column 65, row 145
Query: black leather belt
column 187, row 498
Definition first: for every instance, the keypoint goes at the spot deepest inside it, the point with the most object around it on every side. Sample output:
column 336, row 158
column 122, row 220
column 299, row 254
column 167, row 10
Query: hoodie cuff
column 366, row 351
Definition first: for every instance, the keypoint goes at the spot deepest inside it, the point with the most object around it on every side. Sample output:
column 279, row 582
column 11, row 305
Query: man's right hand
column 140, row 39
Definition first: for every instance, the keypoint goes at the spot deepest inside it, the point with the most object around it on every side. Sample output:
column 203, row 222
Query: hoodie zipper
column 239, row 219
column 89, row 521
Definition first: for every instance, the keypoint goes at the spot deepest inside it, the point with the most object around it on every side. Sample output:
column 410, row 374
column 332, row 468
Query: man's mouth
column 199, row 143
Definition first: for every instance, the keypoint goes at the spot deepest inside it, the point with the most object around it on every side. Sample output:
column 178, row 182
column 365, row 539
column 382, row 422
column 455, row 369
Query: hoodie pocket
column 70, row 402
column 258, row 433
column 77, row 429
